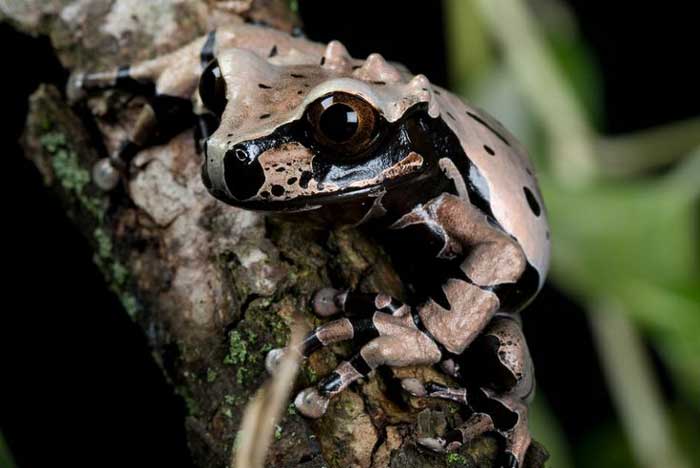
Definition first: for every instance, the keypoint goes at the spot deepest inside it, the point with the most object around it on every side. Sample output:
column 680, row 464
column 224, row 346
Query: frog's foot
column 327, row 334
column 476, row 425
column 434, row 390
column 360, row 326
column 382, row 323
column 504, row 414
column 517, row 437
column 108, row 172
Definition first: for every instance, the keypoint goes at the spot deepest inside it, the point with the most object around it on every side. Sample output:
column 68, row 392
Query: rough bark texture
column 214, row 287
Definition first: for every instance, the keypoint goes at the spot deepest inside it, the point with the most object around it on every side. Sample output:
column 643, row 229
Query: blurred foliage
column 605, row 448
column 545, row 428
column 634, row 242
column 631, row 240
column 6, row 460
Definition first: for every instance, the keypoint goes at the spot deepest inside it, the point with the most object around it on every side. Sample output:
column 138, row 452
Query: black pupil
column 339, row 122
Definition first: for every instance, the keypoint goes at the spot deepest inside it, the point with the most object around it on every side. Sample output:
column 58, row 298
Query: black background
column 78, row 385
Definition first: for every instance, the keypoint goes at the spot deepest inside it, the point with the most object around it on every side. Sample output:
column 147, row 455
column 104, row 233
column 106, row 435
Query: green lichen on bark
column 68, row 161
column 73, row 177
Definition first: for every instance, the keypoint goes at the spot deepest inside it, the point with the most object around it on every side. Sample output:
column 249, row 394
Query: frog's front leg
column 163, row 116
column 383, row 324
column 167, row 83
column 360, row 326
column 487, row 258
column 490, row 258
column 398, row 343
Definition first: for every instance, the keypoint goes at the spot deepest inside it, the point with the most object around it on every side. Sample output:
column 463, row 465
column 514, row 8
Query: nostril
column 241, row 154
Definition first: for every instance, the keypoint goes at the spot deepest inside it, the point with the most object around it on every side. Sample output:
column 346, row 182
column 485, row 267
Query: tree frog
column 289, row 125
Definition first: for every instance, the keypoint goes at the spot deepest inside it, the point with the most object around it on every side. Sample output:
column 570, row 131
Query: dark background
column 78, row 384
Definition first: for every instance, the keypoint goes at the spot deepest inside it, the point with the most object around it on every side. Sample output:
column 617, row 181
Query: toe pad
column 324, row 302
column 311, row 403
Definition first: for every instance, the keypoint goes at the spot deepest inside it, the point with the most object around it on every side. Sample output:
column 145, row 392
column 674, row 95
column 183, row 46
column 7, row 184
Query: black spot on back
column 264, row 86
column 291, row 180
column 297, row 75
column 265, row 116
column 273, row 52
column 323, row 60
column 277, row 190
column 532, row 201
column 487, row 125
column 489, row 150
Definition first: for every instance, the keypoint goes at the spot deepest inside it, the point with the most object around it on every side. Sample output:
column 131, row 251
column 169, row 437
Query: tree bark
column 212, row 286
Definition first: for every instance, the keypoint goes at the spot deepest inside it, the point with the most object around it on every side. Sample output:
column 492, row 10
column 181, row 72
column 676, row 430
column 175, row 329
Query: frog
column 288, row 125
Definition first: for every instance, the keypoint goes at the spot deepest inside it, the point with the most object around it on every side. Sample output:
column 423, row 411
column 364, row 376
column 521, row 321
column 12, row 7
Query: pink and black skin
column 289, row 125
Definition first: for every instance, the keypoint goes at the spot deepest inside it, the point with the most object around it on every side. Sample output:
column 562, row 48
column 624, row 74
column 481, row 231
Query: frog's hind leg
column 399, row 343
column 499, row 364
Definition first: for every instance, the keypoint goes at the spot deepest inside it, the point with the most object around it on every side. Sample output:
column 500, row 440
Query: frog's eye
column 343, row 123
column 212, row 88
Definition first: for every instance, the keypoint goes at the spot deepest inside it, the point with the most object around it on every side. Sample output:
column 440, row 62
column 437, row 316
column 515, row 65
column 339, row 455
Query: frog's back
column 501, row 176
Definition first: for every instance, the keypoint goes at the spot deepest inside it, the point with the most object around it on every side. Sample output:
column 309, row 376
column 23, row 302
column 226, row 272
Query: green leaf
column 635, row 242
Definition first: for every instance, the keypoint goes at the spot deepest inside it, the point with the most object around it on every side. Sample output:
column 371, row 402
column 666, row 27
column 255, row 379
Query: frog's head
column 299, row 132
